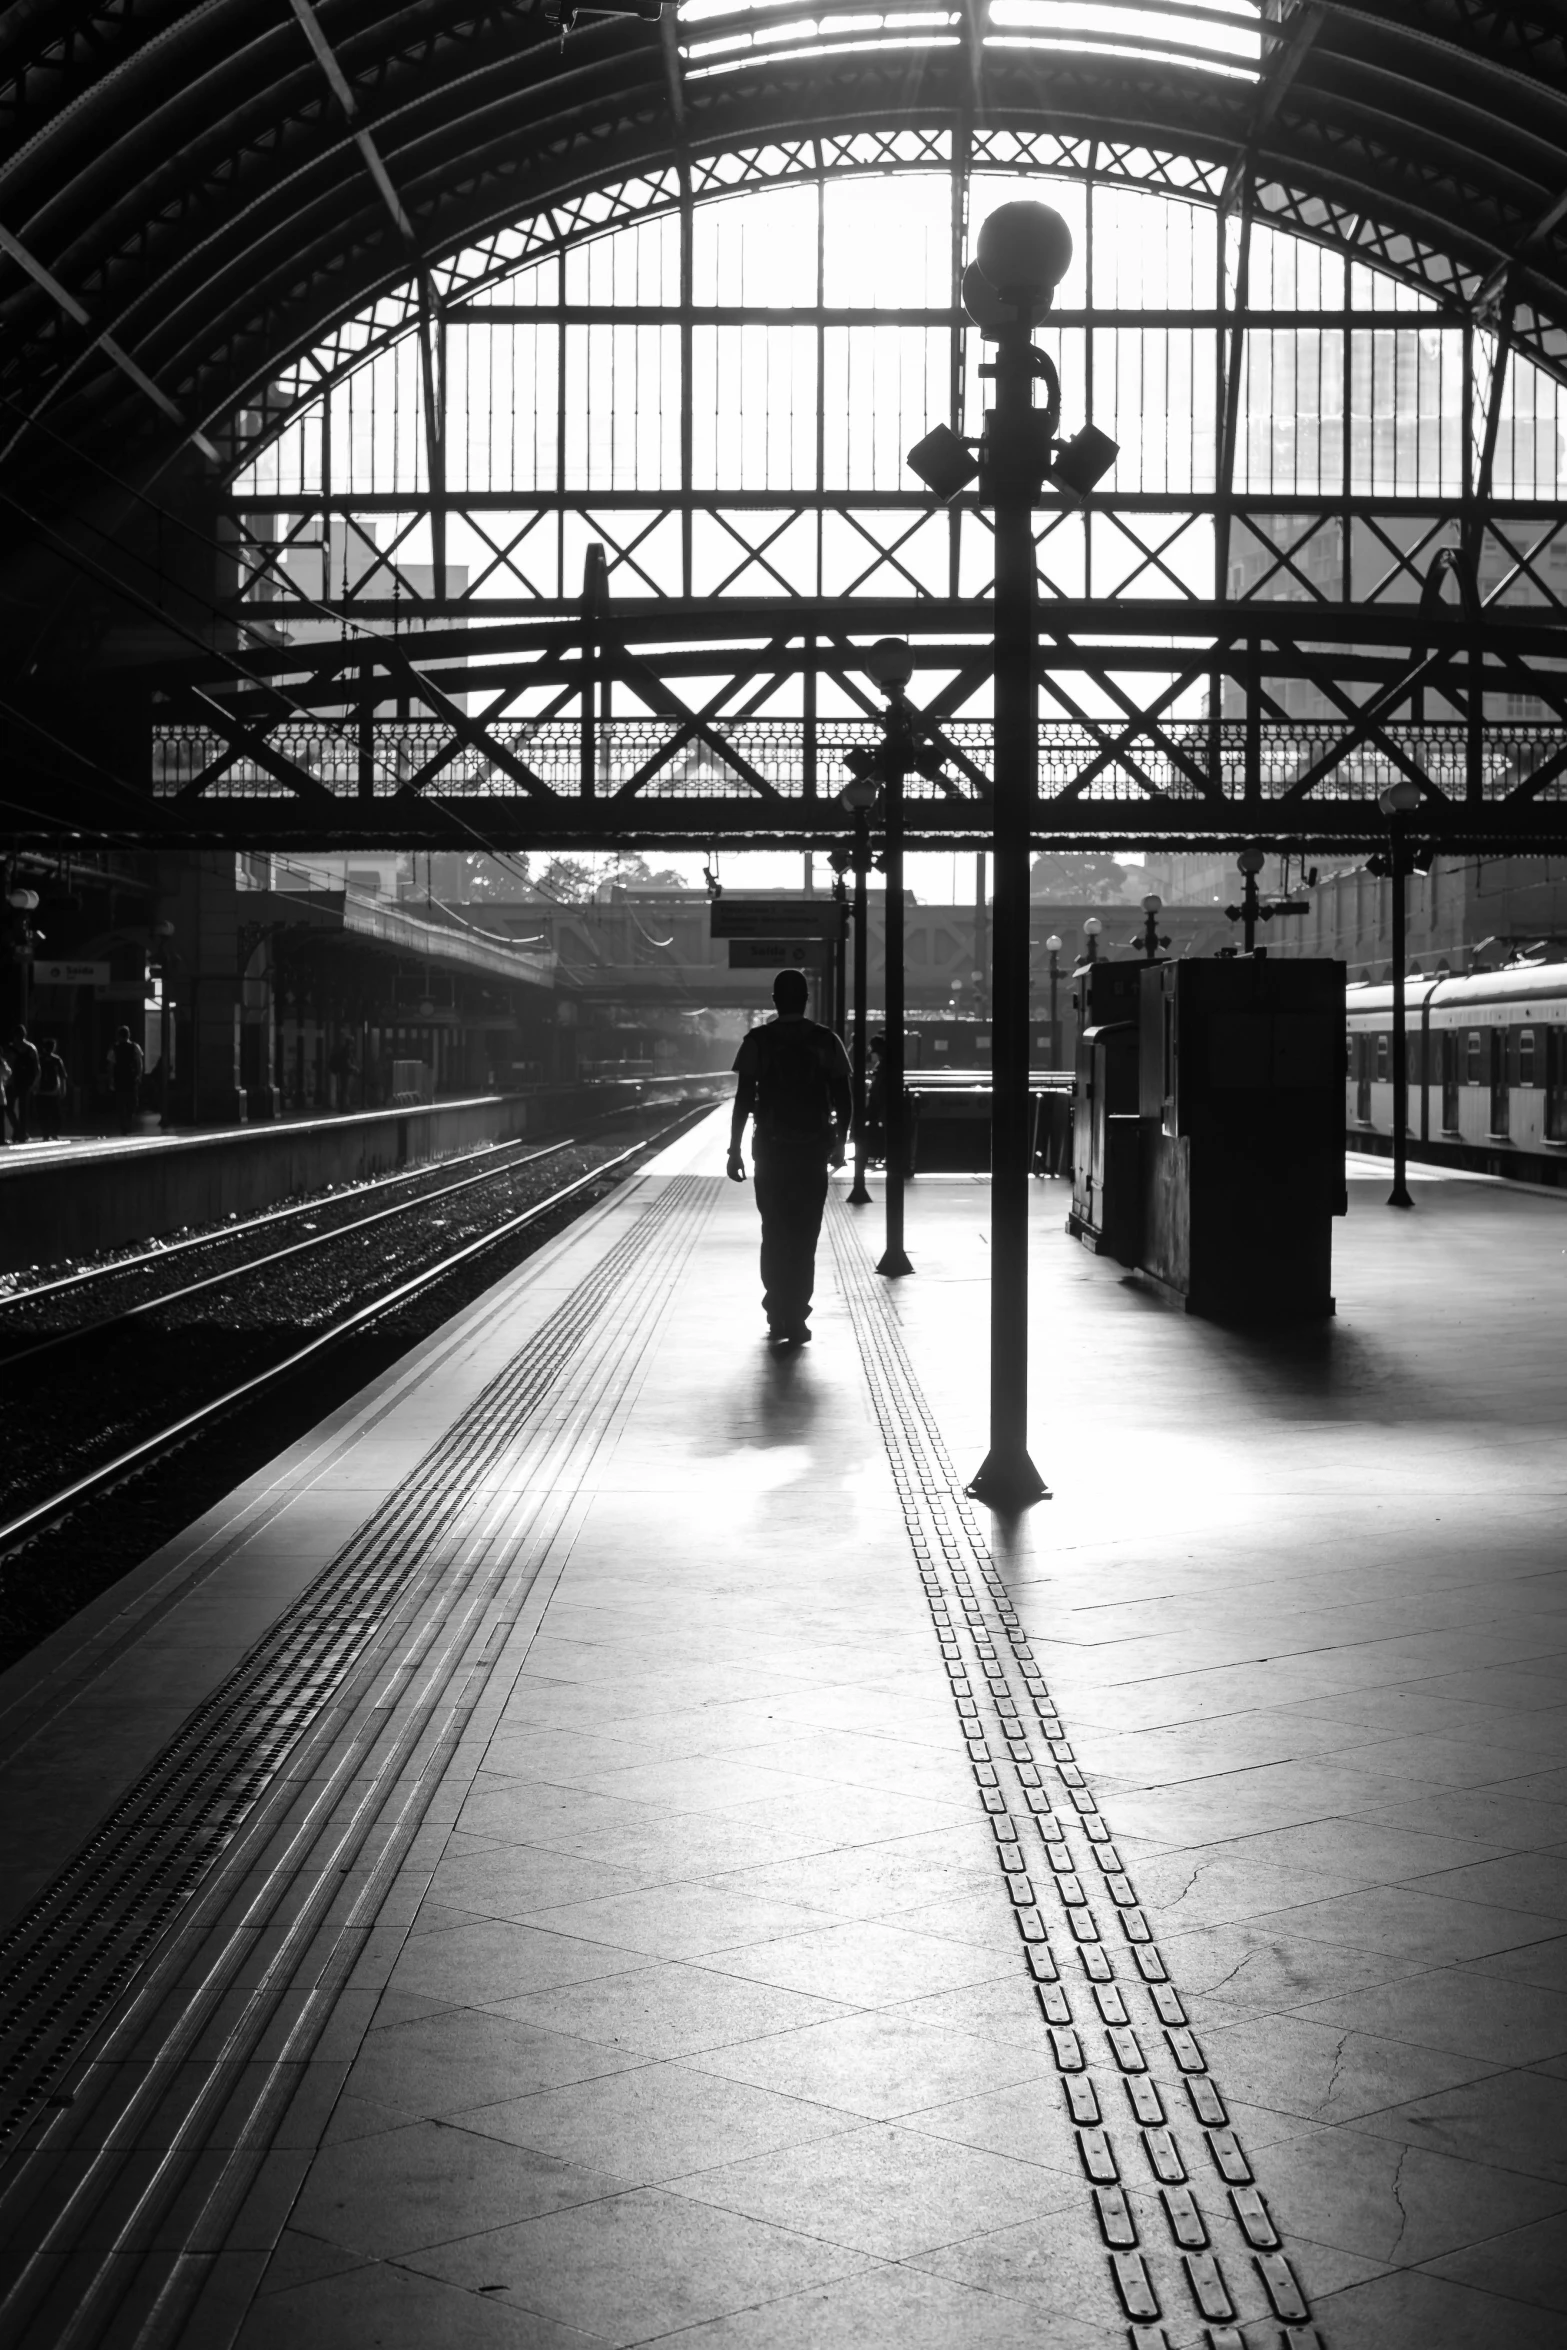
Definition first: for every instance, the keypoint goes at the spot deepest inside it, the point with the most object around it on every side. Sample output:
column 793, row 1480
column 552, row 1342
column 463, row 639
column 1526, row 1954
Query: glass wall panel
column 377, row 426
column 1405, row 412
column 753, row 407
column 502, row 406
column 622, row 407
column 1291, row 432
column 1151, row 256
column 639, row 264
column 1291, row 273
column 1531, row 439
column 882, row 389
column 1153, row 392
column 887, row 243
column 759, row 248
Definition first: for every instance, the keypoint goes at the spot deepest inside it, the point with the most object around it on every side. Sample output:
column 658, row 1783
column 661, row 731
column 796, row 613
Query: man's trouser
column 791, row 1192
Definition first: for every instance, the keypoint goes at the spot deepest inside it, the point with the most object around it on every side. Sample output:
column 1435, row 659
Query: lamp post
column 1250, row 863
column 1152, row 938
column 840, row 895
column 1091, row 930
column 891, row 664
column 1022, row 253
column 859, row 797
column 1053, row 950
column 1400, row 800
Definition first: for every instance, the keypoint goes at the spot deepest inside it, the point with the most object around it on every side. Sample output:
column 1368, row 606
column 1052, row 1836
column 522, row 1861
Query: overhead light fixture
column 1083, row 461
column 943, row 463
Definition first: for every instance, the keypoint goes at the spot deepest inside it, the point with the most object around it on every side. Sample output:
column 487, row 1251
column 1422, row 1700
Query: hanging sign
column 777, row 954
column 774, row 918
column 72, row 975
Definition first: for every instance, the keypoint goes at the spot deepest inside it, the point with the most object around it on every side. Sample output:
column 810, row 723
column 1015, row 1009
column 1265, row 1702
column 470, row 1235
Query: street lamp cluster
column 1023, row 251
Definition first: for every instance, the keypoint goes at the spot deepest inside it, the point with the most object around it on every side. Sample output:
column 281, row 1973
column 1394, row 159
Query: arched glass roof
column 194, row 192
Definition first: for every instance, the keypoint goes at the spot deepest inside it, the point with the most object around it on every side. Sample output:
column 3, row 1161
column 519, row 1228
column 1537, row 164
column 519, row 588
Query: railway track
column 248, row 1267
column 47, row 1364
column 493, row 1159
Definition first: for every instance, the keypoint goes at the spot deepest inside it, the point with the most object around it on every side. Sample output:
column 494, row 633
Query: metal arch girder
column 1392, row 655
column 945, row 631
column 617, row 72
column 1518, row 824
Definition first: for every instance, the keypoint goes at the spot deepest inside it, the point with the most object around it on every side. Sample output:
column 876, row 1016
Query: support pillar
column 894, row 1258
column 859, row 1196
column 1007, row 1478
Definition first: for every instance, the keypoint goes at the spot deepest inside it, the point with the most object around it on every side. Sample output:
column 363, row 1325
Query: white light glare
column 930, row 22
column 1195, row 30
column 820, row 49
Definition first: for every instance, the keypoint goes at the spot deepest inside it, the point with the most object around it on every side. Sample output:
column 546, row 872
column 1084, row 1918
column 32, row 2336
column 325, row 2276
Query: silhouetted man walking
column 794, row 1081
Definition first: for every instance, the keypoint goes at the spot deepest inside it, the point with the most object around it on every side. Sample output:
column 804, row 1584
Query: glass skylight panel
column 1226, row 30
column 1217, row 36
column 722, row 36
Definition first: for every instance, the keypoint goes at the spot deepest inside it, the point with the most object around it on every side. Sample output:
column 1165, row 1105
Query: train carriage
column 1487, row 1069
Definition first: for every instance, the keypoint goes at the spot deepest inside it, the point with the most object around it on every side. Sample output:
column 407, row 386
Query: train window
column 1526, row 1056
column 1383, row 1042
column 1474, row 1058
column 1556, row 1085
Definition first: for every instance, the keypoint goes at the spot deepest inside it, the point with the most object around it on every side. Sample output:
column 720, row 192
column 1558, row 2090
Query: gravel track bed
column 123, row 1278
column 95, row 1401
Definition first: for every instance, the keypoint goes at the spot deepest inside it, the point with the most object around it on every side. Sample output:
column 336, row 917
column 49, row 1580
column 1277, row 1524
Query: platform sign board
column 775, row 918
column 777, row 954
column 62, row 974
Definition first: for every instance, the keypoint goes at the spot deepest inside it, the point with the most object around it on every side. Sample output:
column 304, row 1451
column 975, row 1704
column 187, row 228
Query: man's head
column 791, row 993
column 48, row 1044
column 19, row 1034
column 122, row 1036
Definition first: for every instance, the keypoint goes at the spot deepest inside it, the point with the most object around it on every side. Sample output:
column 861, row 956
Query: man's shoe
column 801, row 1334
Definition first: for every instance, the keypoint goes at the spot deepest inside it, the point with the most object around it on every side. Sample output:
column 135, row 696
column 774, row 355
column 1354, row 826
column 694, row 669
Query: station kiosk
column 1241, row 1080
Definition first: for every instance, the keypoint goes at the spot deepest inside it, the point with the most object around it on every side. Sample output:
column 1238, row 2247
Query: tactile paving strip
column 311, row 1768
column 1153, row 2132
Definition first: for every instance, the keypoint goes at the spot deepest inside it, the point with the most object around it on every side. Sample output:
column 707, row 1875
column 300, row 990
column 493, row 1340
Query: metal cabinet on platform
column 1106, row 1210
column 1242, row 1098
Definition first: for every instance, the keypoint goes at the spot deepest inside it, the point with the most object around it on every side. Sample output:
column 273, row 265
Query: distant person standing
column 22, row 1054
column 342, row 1068
column 795, row 1084
column 876, row 1103
column 126, row 1062
column 49, row 1099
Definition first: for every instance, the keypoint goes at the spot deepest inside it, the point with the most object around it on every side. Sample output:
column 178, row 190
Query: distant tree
column 632, row 871
column 1082, row 876
column 568, row 881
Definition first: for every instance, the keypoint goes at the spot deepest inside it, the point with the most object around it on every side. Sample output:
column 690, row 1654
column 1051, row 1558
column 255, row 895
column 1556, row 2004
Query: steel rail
column 13, row 1299
column 277, row 1256
column 40, row 1514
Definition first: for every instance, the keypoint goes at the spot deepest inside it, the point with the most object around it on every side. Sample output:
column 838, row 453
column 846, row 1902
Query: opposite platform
column 654, row 1871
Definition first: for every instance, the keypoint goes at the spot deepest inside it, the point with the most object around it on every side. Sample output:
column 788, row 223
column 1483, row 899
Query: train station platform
column 603, row 1844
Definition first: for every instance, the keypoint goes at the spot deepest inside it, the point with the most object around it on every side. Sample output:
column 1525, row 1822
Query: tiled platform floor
column 704, row 2018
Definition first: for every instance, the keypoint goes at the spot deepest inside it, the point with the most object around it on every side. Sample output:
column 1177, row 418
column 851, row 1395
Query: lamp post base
column 1398, row 1197
column 858, row 1196
column 893, row 1260
column 1007, row 1481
